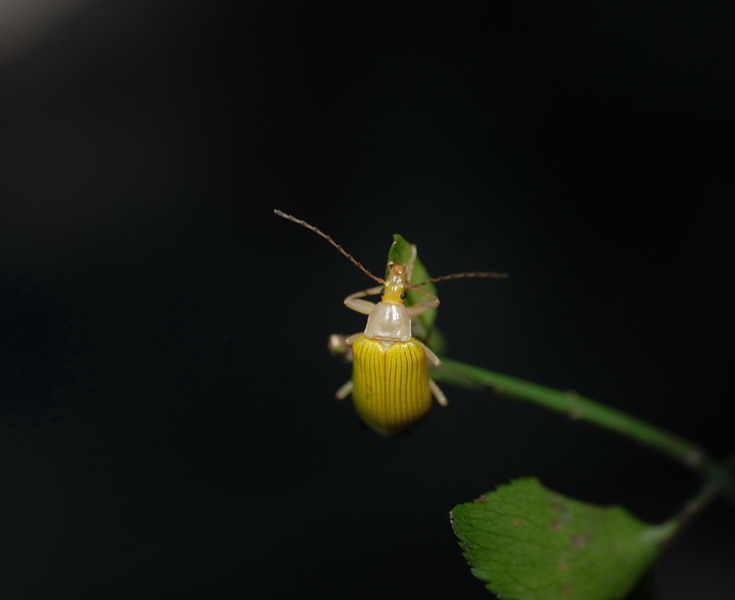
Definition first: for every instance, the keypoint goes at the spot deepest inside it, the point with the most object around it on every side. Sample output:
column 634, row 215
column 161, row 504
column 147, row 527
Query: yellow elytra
column 390, row 384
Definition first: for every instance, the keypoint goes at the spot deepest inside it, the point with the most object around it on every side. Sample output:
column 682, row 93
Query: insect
column 390, row 386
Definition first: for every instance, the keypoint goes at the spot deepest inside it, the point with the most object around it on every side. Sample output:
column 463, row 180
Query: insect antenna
column 471, row 275
column 421, row 291
column 349, row 256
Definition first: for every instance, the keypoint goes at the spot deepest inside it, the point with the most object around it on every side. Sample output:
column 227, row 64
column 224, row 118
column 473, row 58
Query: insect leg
column 351, row 339
column 355, row 302
column 422, row 307
column 346, row 389
column 438, row 394
column 433, row 358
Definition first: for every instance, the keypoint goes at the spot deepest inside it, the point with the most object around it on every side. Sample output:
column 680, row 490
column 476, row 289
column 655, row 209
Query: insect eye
column 403, row 295
column 382, row 292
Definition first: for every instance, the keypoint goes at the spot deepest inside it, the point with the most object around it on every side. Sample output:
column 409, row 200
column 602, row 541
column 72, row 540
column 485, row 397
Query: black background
column 167, row 421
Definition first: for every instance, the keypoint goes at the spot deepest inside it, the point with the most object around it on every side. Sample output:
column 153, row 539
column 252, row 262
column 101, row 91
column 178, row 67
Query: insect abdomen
column 390, row 384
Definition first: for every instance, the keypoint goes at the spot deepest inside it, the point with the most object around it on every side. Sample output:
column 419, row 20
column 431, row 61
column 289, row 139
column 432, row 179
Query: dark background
column 167, row 421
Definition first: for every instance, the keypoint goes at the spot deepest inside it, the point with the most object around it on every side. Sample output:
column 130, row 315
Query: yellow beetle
column 390, row 386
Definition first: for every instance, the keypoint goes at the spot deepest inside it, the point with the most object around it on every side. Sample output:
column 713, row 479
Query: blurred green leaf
column 529, row 543
column 400, row 253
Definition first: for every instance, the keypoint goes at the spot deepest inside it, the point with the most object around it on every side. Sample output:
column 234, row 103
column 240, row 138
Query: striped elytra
column 391, row 390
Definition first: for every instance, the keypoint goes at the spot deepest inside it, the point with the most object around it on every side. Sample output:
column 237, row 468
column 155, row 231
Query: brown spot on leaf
column 564, row 566
column 568, row 589
column 517, row 522
column 482, row 499
column 564, row 517
column 580, row 541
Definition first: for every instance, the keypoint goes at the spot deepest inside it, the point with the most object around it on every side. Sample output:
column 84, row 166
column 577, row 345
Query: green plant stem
column 585, row 409
column 702, row 499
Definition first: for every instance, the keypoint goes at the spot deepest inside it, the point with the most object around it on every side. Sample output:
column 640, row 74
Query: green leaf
column 400, row 253
column 529, row 543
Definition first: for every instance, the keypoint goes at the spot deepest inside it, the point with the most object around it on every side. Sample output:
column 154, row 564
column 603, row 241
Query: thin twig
column 701, row 500
column 585, row 409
